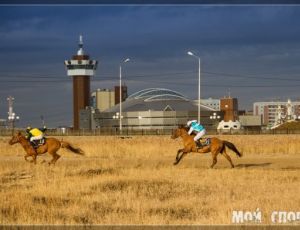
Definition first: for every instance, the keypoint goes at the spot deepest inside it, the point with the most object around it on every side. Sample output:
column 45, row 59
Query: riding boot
column 198, row 144
column 35, row 143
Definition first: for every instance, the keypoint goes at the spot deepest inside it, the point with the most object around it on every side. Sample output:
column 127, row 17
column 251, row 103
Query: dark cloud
column 243, row 40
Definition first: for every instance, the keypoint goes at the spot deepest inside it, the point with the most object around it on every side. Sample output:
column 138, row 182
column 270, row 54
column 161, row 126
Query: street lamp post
column 215, row 118
column 12, row 117
column 199, row 71
column 120, row 96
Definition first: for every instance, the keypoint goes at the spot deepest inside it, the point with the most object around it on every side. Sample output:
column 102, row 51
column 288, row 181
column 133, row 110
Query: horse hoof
column 175, row 163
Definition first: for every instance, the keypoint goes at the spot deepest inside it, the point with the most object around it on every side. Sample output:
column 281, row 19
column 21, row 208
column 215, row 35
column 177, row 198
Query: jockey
column 198, row 128
column 35, row 135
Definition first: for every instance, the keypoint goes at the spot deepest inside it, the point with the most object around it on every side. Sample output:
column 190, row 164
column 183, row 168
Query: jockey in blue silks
column 198, row 128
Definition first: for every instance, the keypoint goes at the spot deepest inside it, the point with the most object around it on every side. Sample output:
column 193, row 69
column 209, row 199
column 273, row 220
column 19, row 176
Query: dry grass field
column 133, row 181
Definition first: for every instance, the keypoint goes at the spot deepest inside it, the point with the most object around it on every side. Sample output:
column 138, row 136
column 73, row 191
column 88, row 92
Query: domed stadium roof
column 152, row 94
column 157, row 99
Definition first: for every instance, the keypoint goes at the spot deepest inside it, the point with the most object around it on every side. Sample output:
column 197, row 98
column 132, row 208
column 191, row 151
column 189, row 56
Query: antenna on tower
column 80, row 40
column 80, row 51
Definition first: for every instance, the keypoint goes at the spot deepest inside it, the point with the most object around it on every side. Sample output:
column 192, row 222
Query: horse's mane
column 186, row 129
column 19, row 133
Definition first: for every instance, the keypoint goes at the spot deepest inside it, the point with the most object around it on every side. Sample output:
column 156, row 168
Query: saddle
column 202, row 142
column 38, row 143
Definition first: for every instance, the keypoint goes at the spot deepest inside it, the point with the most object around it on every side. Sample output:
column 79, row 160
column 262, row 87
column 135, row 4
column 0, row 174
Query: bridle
column 15, row 139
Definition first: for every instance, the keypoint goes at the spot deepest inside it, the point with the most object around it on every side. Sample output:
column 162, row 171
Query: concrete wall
column 247, row 120
column 153, row 119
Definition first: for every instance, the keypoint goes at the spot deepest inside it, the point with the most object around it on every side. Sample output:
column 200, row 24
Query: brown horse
column 216, row 146
column 52, row 145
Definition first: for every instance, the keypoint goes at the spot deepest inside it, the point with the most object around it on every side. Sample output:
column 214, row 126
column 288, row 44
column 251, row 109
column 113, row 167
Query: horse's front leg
column 184, row 152
column 179, row 159
column 31, row 161
column 178, row 152
column 34, row 158
column 25, row 157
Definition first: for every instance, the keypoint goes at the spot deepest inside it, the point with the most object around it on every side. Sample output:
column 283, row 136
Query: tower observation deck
column 80, row 68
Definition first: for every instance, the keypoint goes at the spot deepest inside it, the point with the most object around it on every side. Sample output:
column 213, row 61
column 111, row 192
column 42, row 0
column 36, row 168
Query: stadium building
column 153, row 108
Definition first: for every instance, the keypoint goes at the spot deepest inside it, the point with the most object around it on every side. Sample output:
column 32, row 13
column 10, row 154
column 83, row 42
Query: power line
column 251, row 77
column 50, row 79
column 109, row 76
column 221, row 85
column 162, row 82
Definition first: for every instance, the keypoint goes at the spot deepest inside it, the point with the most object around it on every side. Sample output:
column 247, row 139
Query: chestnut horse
column 216, row 146
column 52, row 145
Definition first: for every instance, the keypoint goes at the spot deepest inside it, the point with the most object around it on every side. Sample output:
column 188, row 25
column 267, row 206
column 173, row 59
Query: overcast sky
column 253, row 52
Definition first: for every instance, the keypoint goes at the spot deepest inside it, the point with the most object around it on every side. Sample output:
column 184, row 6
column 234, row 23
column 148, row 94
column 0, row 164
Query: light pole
column 120, row 123
column 12, row 117
column 215, row 117
column 195, row 56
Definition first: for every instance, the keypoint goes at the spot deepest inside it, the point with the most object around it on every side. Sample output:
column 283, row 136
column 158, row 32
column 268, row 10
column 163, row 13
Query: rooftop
column 152, row 94
column 158, row 99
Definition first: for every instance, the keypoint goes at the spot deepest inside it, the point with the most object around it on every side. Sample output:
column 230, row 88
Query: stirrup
column 34, row 144
column 198, row 144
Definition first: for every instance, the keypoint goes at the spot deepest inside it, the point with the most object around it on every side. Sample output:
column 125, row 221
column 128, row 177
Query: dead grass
column 133, row 181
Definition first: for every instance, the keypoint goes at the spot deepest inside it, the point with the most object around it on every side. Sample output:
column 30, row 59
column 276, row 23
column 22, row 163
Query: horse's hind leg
column 214, row 155
column 55, row 157
column 34, row 158
column 228, row 158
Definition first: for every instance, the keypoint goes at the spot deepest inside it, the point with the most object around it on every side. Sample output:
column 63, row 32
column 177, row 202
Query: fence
column 142, row 132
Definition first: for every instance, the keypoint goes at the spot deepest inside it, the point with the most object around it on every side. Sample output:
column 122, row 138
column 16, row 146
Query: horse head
column 15, row 138
column 177, row 132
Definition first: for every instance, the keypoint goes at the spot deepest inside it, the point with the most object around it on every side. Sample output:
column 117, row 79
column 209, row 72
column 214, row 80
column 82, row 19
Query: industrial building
column 270, row 111
column 251, row 122
column 211, row 102
column 153, row 108
column 3, row 123
column 230, row 107
column 103, row 99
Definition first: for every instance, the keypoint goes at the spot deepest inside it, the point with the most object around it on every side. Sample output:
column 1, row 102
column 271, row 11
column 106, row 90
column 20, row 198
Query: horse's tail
column 232, row 147
column 70, row 147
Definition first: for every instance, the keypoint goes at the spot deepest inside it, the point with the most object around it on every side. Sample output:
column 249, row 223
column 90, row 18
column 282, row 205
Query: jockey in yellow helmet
column 35, row 135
